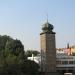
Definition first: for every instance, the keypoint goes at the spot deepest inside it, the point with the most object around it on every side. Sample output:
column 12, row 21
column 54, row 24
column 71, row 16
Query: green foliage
column 73, row 54
column 15, row 47
column 3, row 40
column 29, row 67
column 13, row 60
column 30, row 52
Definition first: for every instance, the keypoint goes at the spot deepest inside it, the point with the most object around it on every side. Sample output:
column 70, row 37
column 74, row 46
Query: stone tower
column 48, row 48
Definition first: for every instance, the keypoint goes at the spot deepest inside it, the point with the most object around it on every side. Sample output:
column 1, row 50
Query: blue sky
column 23, row 19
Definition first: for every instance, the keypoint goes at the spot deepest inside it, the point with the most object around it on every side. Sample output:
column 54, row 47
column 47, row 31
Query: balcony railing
column 66, row 65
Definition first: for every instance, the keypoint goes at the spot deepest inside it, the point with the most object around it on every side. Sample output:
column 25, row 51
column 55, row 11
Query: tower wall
column 48, row 52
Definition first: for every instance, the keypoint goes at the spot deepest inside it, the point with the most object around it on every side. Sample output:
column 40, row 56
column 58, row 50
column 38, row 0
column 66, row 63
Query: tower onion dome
column 47, row 27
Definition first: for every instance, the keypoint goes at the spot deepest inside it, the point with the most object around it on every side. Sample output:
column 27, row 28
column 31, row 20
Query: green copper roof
column 47, row 27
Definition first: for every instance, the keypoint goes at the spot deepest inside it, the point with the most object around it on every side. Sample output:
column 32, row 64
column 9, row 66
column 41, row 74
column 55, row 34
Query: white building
column 37, row 58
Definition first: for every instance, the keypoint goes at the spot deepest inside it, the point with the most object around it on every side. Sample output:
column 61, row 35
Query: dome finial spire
column 47, row 18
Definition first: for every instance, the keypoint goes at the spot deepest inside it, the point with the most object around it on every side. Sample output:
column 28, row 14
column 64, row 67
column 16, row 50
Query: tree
column 73, row 54
column 11, row 55
column 3, row 40
column 30, row 68
column 30, row 52
column 12, row 58
column 15, row 47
